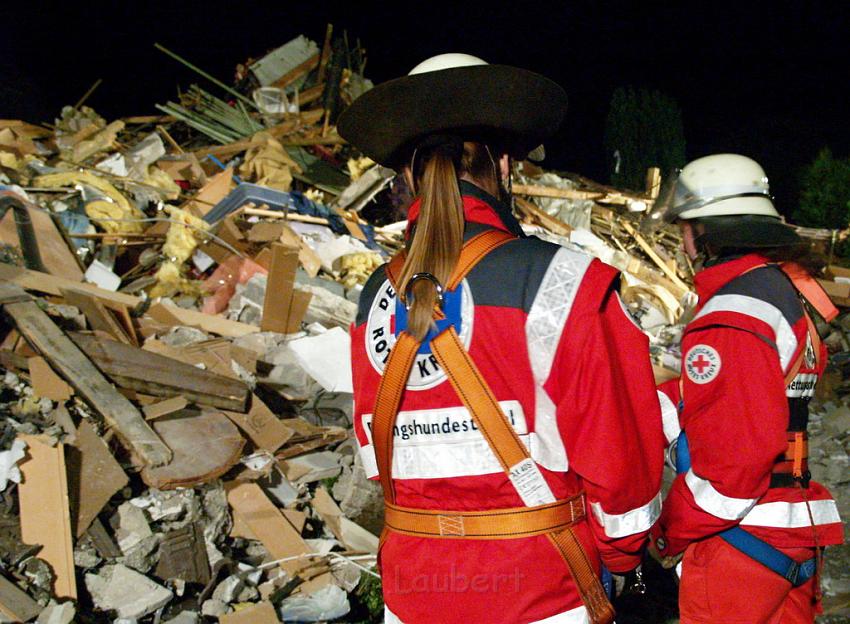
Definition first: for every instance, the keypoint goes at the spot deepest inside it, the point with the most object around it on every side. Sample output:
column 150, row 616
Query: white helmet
column 446, row 61
column 717, row 186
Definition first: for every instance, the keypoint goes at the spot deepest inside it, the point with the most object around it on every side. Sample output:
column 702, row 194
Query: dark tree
column 825, row 192
column 644, row 129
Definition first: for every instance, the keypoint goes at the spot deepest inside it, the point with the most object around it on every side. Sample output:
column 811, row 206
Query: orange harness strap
column 554, row 519
column 510, row 523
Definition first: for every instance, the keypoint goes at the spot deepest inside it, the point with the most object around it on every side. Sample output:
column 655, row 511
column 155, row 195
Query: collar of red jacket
column 478, row 207
column 710, row 280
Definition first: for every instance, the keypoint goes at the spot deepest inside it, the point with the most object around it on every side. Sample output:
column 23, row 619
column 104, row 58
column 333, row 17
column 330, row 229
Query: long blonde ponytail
column 438, row 237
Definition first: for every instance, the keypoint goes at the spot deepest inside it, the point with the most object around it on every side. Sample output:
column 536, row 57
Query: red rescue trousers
column 721, row 584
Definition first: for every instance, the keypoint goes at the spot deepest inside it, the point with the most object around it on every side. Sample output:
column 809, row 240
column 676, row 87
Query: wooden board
column 260, row 424
column 157, row 375
column 15, row 603
column 205, row 445
column 260, row 613
column 164, row 408
column 72, row 364
column 99, row 317
column 57, row 257
column 52, row 285
column 284, row 307
column 45, row 512
column 264, row 520
column 94, row 477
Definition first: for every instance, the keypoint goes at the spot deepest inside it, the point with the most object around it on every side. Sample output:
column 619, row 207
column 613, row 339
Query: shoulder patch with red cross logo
column 702, row 364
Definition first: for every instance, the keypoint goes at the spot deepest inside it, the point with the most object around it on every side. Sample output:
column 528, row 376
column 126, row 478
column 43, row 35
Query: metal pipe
column 26, row 232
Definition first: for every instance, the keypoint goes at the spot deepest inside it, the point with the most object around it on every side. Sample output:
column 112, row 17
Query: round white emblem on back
column 380, row 337
column 702, row 364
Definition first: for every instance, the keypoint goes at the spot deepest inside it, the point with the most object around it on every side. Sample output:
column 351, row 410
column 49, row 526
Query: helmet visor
column 663, row 206
column 677, row 199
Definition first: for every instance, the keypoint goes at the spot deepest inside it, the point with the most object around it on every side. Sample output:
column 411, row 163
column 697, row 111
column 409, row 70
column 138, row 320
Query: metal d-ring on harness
column 408, row 291
column 552, row 519
column 784, row 475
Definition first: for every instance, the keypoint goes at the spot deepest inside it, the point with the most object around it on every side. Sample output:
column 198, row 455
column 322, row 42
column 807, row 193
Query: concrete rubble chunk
column 213, row 608
column 130, row 594
column 359, row 498
column 184, row 336
column 57, row 614
column 184, row 617
column 228, row 590
column 313, row 467
column 131, row 527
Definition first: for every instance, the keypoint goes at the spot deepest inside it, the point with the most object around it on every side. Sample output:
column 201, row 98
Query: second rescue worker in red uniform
column 544, row 328
column 744, row 510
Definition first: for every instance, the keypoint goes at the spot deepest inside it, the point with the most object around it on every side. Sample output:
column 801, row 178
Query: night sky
column 769, row 82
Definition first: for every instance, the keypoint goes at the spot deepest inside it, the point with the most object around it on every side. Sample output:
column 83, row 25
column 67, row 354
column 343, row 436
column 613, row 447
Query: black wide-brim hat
column 516, row 108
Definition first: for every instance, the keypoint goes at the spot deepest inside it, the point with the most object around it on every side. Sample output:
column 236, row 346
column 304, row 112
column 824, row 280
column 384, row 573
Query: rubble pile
column 175, row 440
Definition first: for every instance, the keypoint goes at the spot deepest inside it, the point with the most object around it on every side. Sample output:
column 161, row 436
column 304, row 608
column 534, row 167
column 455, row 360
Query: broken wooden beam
column 533, row 190
column 553, row 224
column 52, row 285
column 15, row 604
column 72, row 364
column 136, row 369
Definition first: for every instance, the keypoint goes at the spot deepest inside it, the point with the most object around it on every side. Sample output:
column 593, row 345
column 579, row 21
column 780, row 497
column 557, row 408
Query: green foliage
column 645, row 128
column 371, row 596
column 825, row 193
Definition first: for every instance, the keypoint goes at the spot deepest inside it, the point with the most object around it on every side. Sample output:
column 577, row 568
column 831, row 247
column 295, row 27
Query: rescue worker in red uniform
column 549, row 340
column 743, row 510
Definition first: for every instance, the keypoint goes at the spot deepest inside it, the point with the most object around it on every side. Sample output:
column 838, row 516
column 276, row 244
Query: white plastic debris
column 328, row 603
column 9, row 470
column 326, row 359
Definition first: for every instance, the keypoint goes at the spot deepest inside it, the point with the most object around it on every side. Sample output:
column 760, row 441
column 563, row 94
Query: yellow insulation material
column 102, row 211
column 184, row 235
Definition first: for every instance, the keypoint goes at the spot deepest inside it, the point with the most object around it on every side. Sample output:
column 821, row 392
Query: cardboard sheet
column 46, row 383
column 94, row 476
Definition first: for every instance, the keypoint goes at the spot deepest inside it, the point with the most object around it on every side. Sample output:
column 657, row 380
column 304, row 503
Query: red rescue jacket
column 546, row 327
column 748, row 329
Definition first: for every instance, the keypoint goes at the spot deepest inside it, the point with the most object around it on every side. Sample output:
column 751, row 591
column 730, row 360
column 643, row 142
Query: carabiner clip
column 408, row 299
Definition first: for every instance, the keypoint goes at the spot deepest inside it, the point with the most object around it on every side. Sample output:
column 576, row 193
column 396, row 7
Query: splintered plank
column 158, row 375
column 72, row 364
column 53, row 284
column 15, row 604
column 99, row 317
column 45, row 513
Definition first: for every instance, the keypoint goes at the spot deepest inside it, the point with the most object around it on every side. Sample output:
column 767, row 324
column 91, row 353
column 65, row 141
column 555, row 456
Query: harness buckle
column 804, row 478
column 792, row 573
column 408, row 299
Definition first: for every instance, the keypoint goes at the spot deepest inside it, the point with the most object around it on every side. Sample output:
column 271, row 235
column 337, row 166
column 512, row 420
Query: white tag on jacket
column 530, row 484
column 802, row 386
